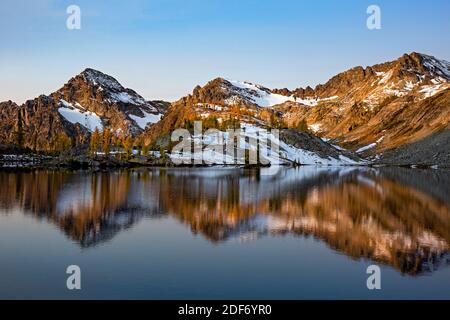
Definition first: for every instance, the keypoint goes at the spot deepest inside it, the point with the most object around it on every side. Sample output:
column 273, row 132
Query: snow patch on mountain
column 365, row 148
column 148, row 118
column 431, row 90
column 125, row 97
column 440, row 68
column 384, row 76
column 255, row 94
column 312, row 102
column 112, row 88
column 315, row 127
column 263, row 97
column 74, row 115
column 370, row 146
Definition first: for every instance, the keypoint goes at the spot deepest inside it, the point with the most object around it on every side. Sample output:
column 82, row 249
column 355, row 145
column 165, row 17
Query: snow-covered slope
column 114, row 91
column 253, row 93
column 78, row 114
column 308, row 155
column 425, row 79
column 148, row 118
column 437, row 67
column 262, row 96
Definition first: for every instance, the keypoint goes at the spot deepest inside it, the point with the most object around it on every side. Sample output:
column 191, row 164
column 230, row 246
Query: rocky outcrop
column 37, row 125
column 9, row 112
column 305, row 141
column 432, row 150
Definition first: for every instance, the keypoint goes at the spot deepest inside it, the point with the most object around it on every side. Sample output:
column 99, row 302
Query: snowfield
column 149, row 118
column 125, row 97
column 264, row 98
column 287, row 153
column 87, row 119
column 258, row 94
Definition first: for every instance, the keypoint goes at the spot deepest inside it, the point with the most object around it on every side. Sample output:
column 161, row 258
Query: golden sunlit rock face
column 384, row 216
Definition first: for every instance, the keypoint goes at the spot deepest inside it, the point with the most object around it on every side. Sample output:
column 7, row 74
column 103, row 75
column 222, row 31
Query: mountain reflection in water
column 396, row 216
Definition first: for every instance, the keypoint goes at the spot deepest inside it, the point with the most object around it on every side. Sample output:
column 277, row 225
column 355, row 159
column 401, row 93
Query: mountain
column 97, row 96
column 91, row 100
column 383, row 112
column 373, row 111
column 225, row 104
column 378, row 108
column 221, row 101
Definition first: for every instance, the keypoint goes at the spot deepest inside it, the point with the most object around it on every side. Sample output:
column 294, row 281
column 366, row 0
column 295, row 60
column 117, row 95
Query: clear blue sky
column 163, row 48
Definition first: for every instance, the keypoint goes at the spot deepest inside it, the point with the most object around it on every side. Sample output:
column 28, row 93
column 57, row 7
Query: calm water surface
column 226, row 233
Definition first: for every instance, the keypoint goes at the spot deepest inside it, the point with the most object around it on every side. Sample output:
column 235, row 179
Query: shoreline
column 74, row 166
column 19, row 162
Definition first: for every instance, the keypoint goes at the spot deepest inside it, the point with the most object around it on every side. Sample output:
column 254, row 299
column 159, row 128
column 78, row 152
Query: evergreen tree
column 128, row 146
column 95, row 141
column 106, row 141
column 302, row 126
column 145, row 150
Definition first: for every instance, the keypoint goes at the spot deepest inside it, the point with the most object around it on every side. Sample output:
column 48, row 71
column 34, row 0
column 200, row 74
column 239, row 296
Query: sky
column 164, row 48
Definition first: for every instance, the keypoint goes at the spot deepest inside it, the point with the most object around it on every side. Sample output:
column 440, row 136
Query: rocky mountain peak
column 227, row 92
column 95, row 94
column 416, row 68
column 99, row 83
column 380, row 106
column 98, row 78
column 436, row 67
column 90, row 100
column 408, row 70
